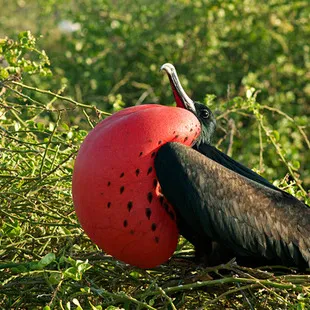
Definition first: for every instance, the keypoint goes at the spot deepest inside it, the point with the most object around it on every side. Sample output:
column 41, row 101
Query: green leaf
column 72, row 273
column 46, row 260
column 19, row 269
column 295, row 164
column 54, row 278
column 93, row 307
column 276, row 135
column 78, row 268
column 77, row 303
column 12, row 229
column 135, row 274
column 301, row 306
column 65, row 126
column 41, row 126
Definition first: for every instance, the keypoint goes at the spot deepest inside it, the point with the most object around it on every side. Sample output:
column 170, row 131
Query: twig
column 88, row 119
column 261, row 149
column 279, row 152
column 48, row 144
column 232, row 291
column 232, row 127
column 23, row 95
column 168, row 298
column 122, row 296
column 199, row 284
column 290, row 119
column 48, row 92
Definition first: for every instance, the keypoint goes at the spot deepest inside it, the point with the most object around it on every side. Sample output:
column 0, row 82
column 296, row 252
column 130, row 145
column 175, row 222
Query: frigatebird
column 219, row 201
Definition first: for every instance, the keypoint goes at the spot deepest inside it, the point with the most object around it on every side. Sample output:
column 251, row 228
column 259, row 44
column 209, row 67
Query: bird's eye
column 205, row 114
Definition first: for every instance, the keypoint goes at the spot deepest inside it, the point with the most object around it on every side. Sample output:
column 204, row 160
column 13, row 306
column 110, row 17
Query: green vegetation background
column 248, row 60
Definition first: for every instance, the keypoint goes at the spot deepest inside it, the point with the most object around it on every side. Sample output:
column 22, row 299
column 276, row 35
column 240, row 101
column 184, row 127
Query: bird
column 224, row 208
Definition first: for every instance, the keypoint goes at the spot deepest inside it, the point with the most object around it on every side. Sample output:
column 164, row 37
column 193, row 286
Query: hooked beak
column 181, row 98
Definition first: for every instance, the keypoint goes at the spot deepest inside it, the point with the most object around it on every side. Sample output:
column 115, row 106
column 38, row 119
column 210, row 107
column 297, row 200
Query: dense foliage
column 108, row 53
column 248, row 60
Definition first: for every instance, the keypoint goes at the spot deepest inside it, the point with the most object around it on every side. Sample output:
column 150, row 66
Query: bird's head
column 202, row 112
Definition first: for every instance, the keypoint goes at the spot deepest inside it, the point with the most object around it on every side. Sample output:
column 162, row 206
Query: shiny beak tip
column 168, row 67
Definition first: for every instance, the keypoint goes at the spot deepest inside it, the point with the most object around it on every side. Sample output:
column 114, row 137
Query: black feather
column 223, row 159
column 217, row 199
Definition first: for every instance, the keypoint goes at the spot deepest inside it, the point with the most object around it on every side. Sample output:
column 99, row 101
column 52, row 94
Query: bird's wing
column 226, row 161
column 218, row 203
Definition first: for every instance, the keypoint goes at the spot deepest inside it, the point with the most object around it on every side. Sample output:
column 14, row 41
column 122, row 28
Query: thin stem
column 50, row 93
column 290, row 119
column 280, row 153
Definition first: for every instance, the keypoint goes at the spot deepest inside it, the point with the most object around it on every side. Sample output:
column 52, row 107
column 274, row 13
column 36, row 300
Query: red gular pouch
column 116, row 194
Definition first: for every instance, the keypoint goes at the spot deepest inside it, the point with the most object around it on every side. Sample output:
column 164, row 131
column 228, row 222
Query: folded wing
column 216, row 199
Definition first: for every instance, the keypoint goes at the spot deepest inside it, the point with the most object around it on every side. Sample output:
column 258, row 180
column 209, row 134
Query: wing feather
column 228, row 162
column 214, row 202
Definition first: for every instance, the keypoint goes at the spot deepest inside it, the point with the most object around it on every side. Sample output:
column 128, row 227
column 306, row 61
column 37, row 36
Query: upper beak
column 181, row 98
